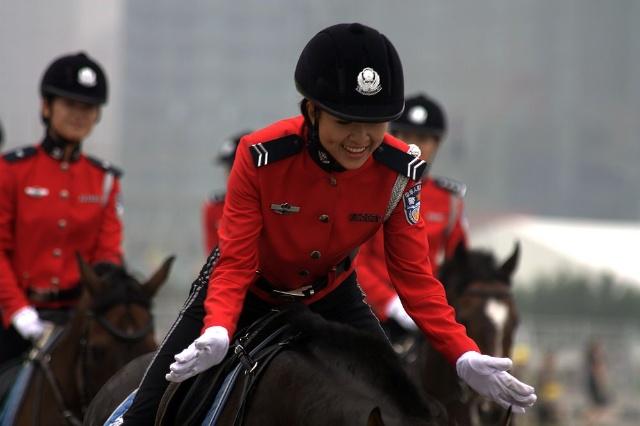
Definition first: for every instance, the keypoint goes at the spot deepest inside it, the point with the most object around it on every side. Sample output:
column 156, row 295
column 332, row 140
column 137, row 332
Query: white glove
column 206, row 351
column 488, row 376
column 396, row 311
column 28, row 323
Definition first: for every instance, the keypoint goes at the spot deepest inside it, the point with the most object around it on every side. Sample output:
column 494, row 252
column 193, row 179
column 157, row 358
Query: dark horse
column 480, row 291
column 111, row 324
column 332, row 375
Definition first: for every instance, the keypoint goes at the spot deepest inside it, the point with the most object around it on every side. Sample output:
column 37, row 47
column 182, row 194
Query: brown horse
column 480, row 291
column 111, row 324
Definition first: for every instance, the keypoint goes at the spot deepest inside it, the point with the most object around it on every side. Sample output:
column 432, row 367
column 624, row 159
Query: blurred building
column 549, row 245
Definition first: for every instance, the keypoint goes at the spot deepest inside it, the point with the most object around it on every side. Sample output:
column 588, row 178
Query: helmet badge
column 368, row 82
column 87, row 77
column 418, row 114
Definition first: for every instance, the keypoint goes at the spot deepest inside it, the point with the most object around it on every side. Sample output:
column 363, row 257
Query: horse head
column 114, row 319
column 479, row 288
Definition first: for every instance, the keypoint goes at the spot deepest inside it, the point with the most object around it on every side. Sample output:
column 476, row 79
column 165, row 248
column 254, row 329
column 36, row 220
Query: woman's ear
column 46, row 108
column 312, row 112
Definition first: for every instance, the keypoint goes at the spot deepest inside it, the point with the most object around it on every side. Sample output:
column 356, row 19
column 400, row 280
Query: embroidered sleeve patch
column 411, row 200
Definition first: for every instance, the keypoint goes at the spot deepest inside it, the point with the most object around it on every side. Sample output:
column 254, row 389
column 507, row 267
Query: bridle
column 42, row 359
column 500, row 292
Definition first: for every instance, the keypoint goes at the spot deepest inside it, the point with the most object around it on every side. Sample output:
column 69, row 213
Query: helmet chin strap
column 318, row 153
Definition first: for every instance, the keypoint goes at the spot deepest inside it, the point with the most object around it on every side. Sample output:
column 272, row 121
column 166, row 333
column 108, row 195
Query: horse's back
column 116, row 390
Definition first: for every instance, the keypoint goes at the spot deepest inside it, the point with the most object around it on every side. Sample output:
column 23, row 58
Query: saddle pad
column 115, row 418
column 14, row 399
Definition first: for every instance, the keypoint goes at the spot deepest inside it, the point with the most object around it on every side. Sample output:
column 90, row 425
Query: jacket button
column 62, row 223
column 55, row 281
column 304, row 273
column 64, row 166
column 64, row 193
column 315, row 254
column 333, row 181
column 57, row 252
column 324, row 218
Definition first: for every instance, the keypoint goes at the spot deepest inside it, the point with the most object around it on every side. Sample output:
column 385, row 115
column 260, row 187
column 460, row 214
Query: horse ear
column 375, row 418
column 158, row 278
column 509, row 266
column 460, row 255
column 88, row 276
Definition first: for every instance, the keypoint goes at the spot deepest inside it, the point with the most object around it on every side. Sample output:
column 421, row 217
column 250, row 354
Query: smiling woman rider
column 303, row 194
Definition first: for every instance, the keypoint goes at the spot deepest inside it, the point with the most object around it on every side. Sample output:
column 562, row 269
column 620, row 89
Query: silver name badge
column 285, row 208
column 36, row 191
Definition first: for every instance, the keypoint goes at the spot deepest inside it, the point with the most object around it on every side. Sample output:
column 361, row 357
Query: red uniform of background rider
column 423, row 123
column 55, row 202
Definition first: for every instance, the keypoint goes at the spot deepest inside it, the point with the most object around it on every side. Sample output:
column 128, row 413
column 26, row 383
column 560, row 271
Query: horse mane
column 364, row 355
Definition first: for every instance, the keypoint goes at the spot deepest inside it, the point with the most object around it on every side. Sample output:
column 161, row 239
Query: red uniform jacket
column 49, row 210
column 326, row 216
column 442, row 211
column 211, row 215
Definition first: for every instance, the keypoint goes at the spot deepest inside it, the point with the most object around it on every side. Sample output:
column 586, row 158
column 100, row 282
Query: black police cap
column 422, row 115
column 227, row 153
column 353, row 72
column 77, row 77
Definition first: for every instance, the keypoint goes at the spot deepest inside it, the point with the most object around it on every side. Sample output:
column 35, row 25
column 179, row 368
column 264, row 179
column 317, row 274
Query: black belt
column 54, row 295
column 309, row 289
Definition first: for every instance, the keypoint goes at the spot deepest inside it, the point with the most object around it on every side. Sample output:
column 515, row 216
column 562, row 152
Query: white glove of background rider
column 28, row 323
column 206, row 351
column 396, row 311
column 488, row 376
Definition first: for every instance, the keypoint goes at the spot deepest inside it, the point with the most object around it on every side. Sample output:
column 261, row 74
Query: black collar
column 55, row 148
column 320, row 155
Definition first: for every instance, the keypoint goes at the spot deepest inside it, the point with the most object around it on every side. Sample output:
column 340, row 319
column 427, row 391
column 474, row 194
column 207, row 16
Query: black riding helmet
column 227, row 153
column 76, row 77
column 353, row 72
column 421, row 115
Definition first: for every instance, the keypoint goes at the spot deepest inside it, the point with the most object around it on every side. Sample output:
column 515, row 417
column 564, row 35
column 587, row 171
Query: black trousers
column 345, row 304
column 12, row 345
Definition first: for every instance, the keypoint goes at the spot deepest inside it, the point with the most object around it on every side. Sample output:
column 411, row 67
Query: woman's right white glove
column 488, row 376
column 206, row 351
column 28, row 323
column 396, row 311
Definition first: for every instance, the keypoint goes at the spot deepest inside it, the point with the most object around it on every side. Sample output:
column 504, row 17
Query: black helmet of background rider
column 76, row 77
column 227, row 153
column 353, row 72
column 421, row 115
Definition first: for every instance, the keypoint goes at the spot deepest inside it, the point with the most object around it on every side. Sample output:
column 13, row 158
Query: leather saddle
column 202, row 398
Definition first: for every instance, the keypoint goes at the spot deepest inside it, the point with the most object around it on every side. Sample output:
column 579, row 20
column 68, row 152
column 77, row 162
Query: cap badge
column 368, row 82
column 418, row 114
column 87, row 77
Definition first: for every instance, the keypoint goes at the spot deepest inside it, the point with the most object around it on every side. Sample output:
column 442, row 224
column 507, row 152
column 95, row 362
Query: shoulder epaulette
column 217, row 197
column 105, row 165
column 402, row 162
column 451, row 185
column 20, row 154
column 277, row 149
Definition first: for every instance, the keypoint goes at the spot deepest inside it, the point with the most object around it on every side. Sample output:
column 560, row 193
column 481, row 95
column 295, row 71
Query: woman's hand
column 206, row 351
column 488, row 376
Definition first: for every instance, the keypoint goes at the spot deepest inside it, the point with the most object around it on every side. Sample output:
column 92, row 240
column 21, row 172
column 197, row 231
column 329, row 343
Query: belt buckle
column 298, row 292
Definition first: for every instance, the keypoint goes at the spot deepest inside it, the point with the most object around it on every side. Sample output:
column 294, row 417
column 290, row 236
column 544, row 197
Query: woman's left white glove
column 206, row 351
column 488, row 376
